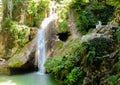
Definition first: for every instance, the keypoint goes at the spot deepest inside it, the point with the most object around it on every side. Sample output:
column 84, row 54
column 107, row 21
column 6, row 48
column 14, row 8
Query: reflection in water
column 28, row 79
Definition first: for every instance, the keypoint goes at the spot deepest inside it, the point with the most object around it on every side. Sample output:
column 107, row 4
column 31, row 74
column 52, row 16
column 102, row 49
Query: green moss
column 15, row 63
column 83, row 48
column 60, row 44
column 70, row 46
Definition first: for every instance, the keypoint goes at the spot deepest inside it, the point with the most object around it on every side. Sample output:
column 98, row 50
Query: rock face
column 106, row 31
column 1, row 37
column 72, row 24
column 4, row 69
column 51, row 37
column 1, row 13
column 2, row 50
column 25, row 59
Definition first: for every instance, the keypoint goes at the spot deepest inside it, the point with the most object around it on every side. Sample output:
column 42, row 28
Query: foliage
column 7, row 23
column 116, row 66
column 63, row 18
column 18, row 6
column 65, row 67
column 16, row 35
column 75, row 77
column 37, row 10
column 101, row 46
column 118, row 35
column 15, row 2
column 60, row 44
column 96, row 49
column 82, row 59
column 113, row 79
column 114, row 3
column 58, row 1
column 83, row 48
column 19, row 34
column 88, row 14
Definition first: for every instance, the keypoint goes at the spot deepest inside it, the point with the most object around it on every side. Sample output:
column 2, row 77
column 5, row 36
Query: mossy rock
column 4, row 69
column 15, row 63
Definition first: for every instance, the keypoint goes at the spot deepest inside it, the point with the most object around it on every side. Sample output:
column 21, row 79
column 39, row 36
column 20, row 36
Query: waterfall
column 40, row 49
column 40, row 45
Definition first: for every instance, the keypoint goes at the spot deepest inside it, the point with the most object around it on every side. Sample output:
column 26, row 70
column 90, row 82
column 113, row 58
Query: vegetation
column 93, row 62
column 63, row 18
column 88, row 14
column 73, row 67
column 16, row 35
column 15, row 19
column 37, row 11
column 65, row 68
column 118, row 35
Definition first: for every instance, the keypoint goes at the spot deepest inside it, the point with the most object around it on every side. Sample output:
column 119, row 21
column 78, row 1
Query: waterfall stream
column 40, row 46
column 41, row 54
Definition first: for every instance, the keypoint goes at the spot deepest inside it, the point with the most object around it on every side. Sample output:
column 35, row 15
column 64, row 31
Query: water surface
column 28, row 79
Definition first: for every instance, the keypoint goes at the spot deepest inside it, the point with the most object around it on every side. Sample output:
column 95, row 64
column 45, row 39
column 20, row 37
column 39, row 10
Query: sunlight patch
column 7, row 83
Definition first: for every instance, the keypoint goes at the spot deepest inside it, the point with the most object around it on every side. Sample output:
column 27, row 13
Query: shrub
column 95, row 49
column 118, row 35
column 88, row 14
column 75, row 77
column 101, row 46
column 113, row 79
column 64, row 68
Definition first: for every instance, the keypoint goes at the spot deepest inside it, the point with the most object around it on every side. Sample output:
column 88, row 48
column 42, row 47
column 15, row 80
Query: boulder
column 25, row 59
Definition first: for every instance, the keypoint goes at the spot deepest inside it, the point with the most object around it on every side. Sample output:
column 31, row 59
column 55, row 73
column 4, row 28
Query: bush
column 118, row 35
column 82, row 59
column 113, row 79
column 64, row 68
column 20, row 35
column 88, row 14
column 75, row 77
column 101, row 46
column 96, row 49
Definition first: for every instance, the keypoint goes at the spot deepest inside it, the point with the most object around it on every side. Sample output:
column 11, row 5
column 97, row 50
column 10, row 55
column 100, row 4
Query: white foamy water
column 40, row 46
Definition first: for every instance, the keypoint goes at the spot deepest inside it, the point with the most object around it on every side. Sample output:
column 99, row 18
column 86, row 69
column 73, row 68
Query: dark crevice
column 63, row 36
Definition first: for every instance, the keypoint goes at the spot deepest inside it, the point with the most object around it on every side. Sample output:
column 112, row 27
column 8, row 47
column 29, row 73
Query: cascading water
column 40, row 46
column 41, row 54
